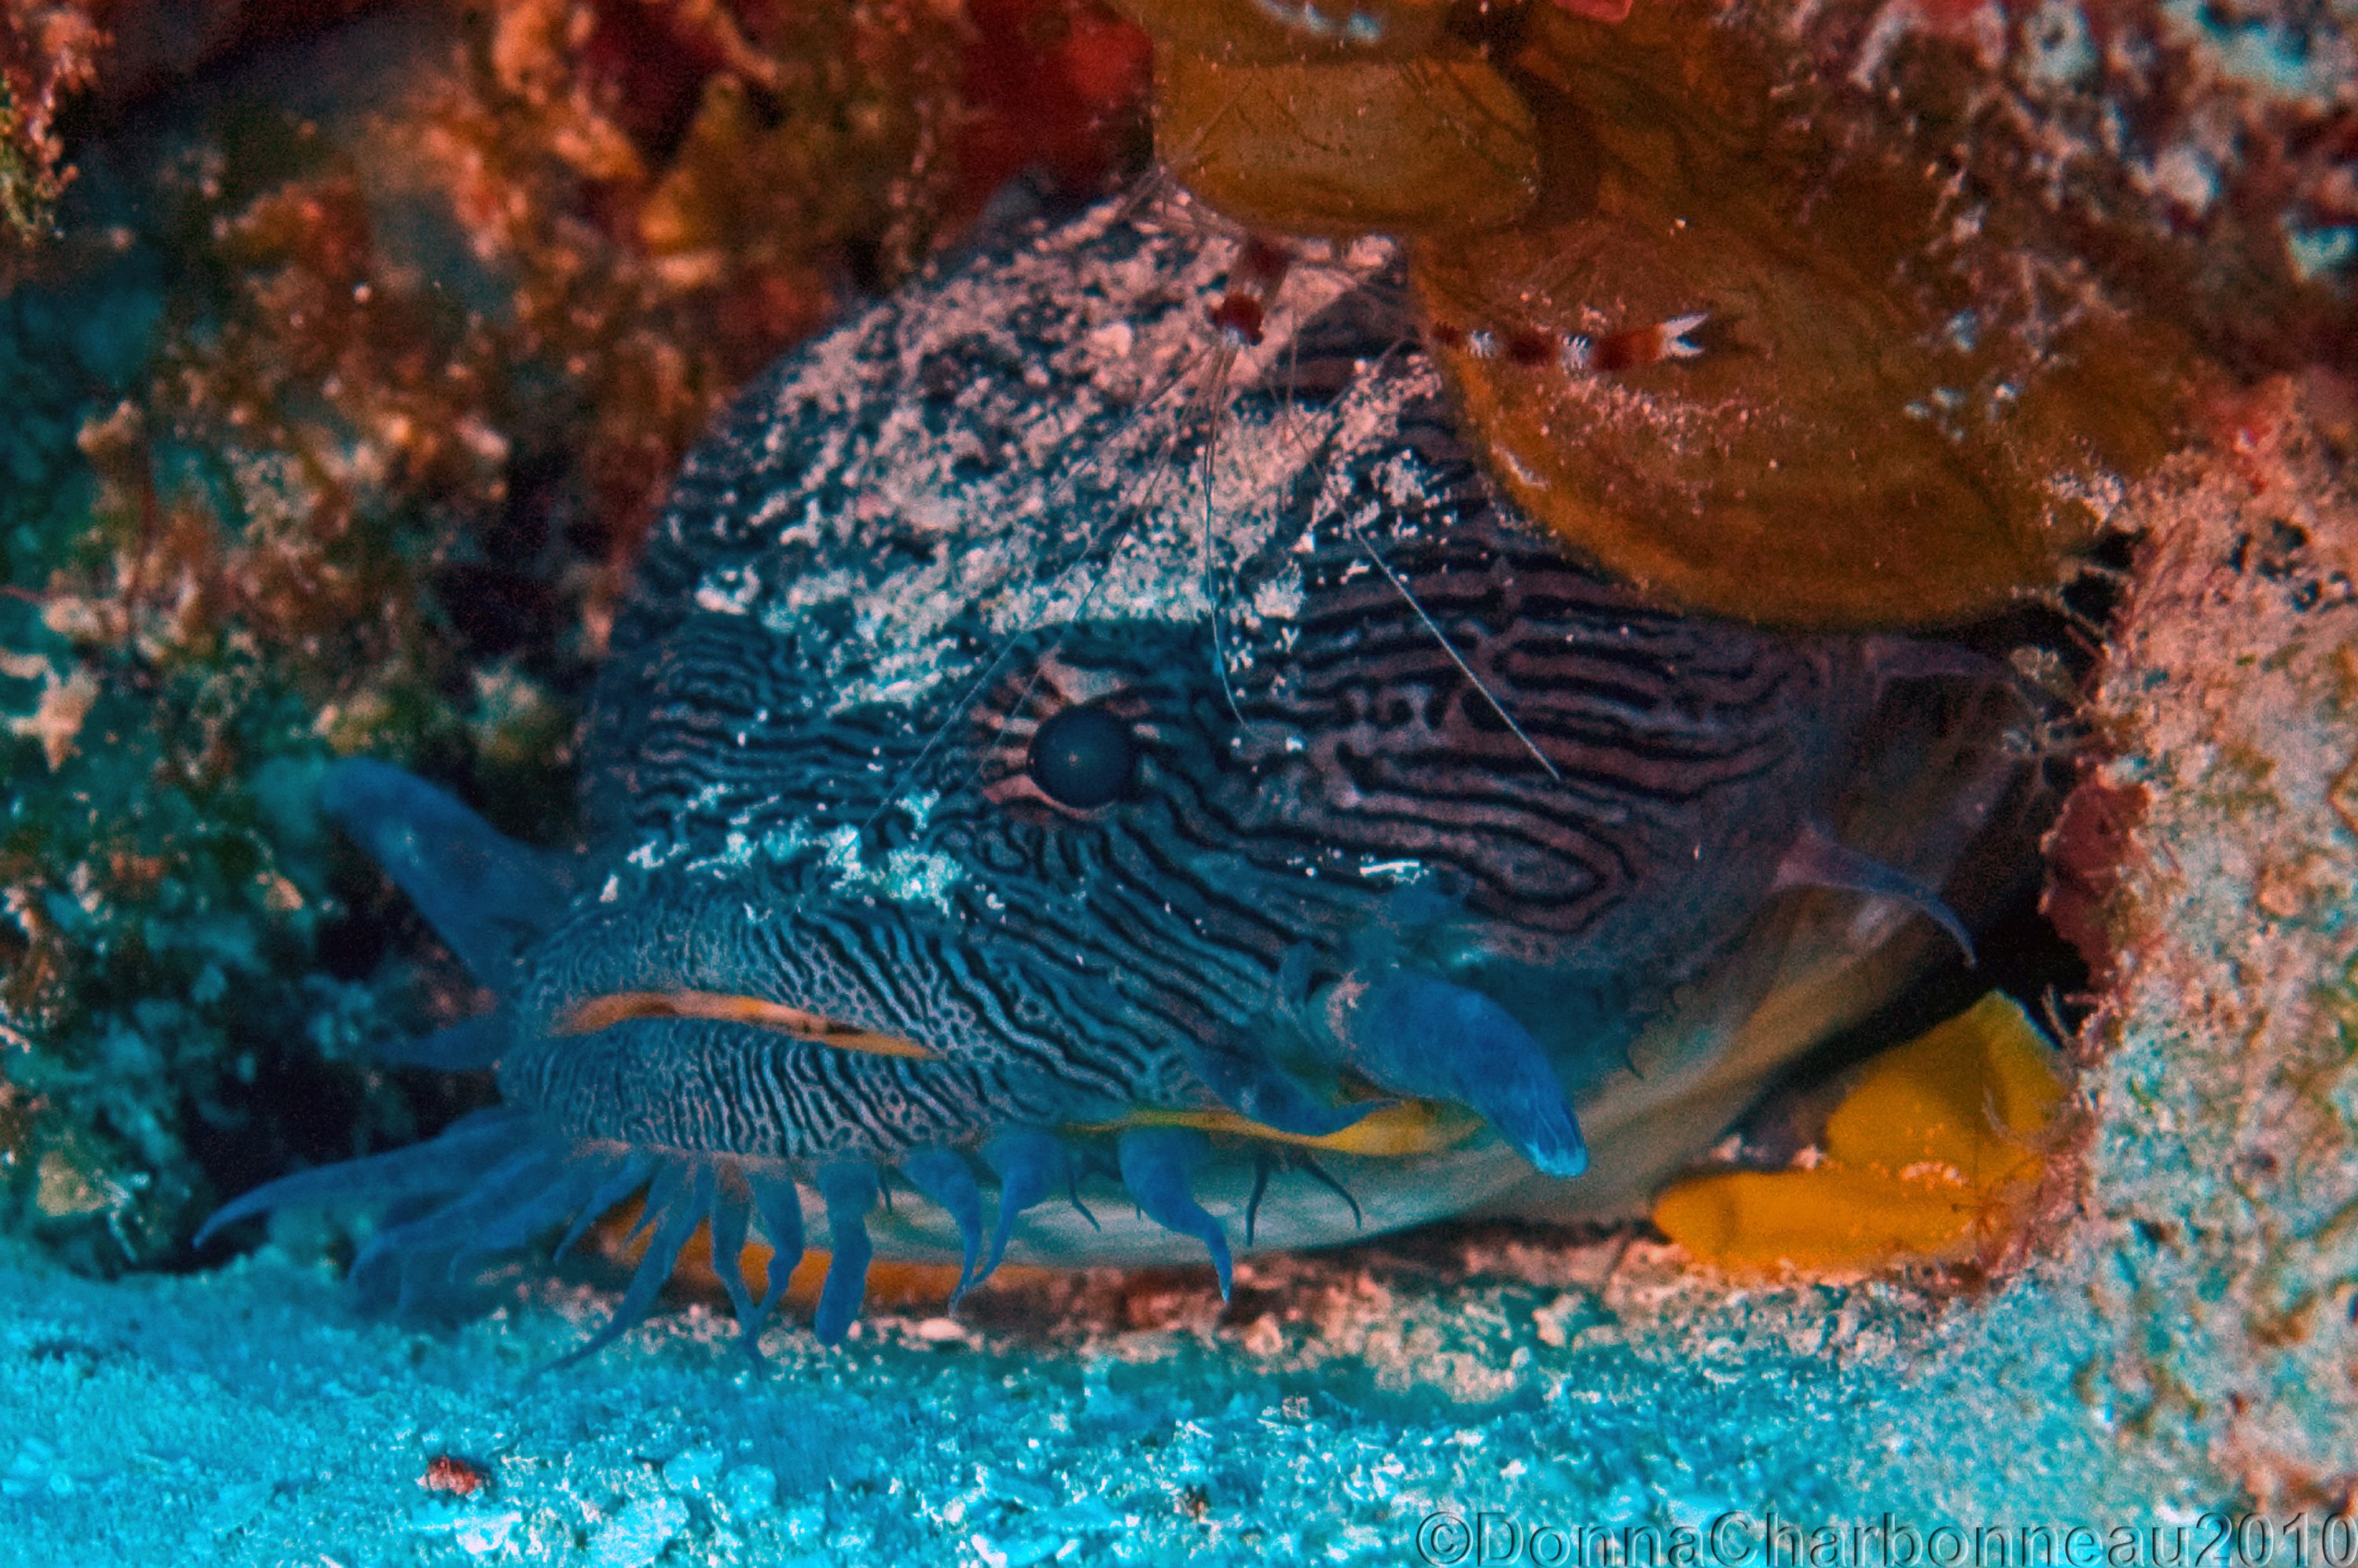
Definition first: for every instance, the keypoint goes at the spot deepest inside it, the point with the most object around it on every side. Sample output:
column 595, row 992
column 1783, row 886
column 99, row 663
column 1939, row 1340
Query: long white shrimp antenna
column 1214, row 398
column 1400, row 585
column 1448, row 647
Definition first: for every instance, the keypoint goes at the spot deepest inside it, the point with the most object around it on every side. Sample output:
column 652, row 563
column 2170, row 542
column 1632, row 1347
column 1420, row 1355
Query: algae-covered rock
column 47, row 51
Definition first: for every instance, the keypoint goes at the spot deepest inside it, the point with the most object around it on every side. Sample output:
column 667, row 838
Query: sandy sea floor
column 1344, row 1406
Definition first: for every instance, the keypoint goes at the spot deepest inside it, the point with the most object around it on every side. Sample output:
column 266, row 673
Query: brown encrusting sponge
column 1735, row 331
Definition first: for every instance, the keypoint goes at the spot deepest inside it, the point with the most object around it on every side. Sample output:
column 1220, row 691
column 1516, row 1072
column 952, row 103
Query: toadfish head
column 1051, row 747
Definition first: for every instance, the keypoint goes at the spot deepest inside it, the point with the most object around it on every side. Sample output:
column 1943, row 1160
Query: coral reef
column 292, row 470
column 47, row 51
column 2223, row 1171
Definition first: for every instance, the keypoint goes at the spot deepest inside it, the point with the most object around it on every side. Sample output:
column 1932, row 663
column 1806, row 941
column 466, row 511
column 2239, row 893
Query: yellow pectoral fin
column 1396, row 1131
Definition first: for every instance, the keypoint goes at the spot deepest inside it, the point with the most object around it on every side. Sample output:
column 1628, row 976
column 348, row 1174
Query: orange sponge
column 1938, row 1149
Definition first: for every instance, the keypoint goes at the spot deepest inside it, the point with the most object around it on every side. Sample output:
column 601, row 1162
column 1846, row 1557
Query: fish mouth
column 620, row 1007
column 891, row 1031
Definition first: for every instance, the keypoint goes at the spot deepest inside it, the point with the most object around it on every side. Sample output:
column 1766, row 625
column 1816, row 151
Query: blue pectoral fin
column 943, row 1177
column 484, row 894
column 1158, row 1166
column 1419, row 1035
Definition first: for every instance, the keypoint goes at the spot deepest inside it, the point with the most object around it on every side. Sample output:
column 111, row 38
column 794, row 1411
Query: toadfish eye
column 1082, row 757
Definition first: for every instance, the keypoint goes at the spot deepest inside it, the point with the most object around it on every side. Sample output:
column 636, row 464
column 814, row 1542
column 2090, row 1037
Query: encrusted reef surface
column 2175, row 1338
column 2218, row 1229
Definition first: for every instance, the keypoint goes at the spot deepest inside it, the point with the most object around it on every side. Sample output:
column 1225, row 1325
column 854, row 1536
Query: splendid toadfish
column 1026, row 768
